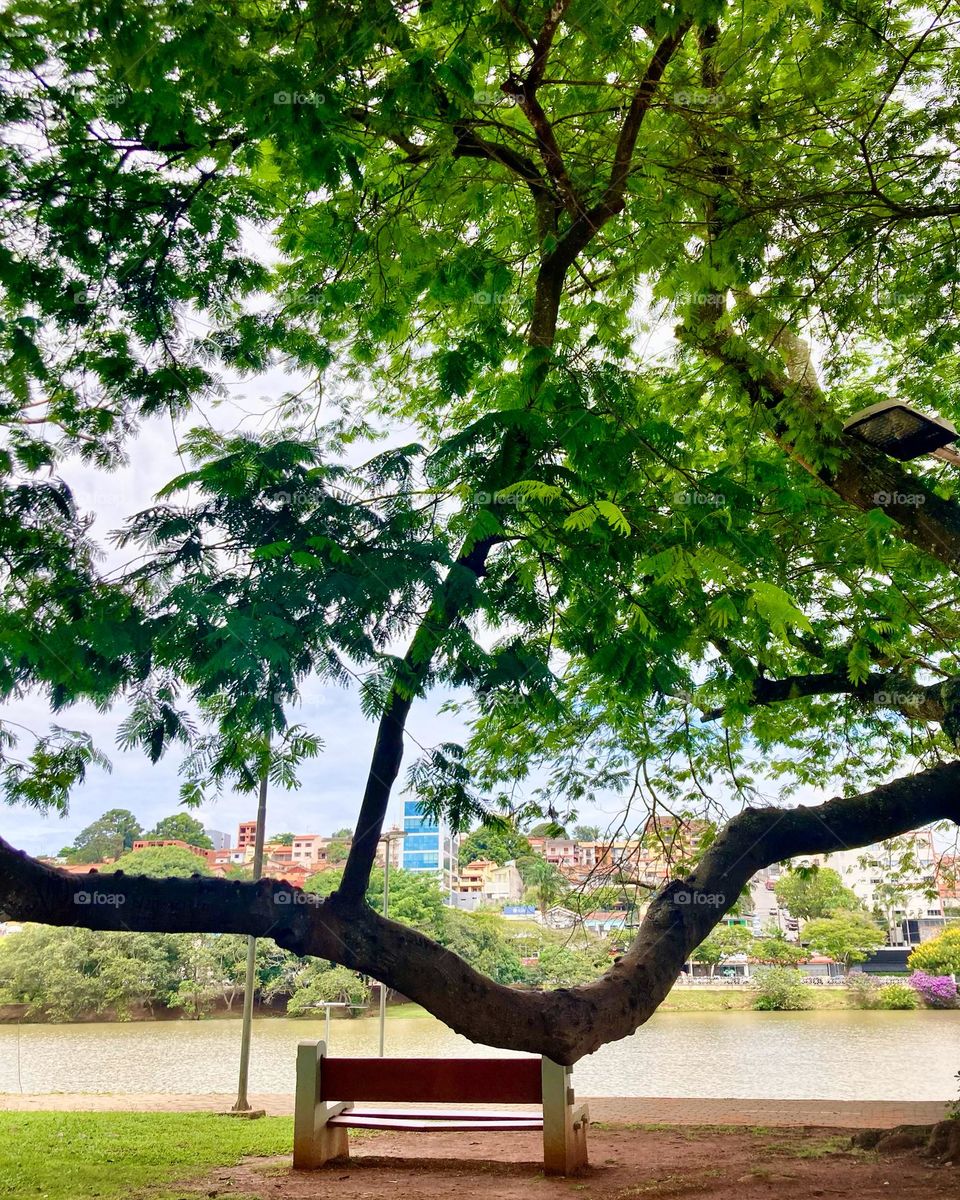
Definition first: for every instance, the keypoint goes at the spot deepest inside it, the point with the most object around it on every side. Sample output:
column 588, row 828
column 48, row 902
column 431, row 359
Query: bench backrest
column 437, row 1080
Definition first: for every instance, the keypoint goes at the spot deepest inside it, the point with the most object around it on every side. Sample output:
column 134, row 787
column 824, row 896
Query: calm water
column 807, row 1055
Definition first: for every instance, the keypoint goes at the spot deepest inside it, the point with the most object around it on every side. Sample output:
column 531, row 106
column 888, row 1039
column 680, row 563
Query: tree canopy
column 182, row 827
column 813, row 892
column 160, row 862
column 606, row 284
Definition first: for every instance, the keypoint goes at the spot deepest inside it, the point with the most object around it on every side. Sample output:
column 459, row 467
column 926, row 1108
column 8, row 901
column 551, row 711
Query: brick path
column 841, row 1114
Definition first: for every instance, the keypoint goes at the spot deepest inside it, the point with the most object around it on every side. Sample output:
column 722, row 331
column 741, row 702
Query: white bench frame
column 320, row 1127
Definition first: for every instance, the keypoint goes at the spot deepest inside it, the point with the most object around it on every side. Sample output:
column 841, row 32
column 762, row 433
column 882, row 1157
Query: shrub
column 863, row 990
column 939, row 956
column 936, row 991
column 896, row 996
column 780, row 989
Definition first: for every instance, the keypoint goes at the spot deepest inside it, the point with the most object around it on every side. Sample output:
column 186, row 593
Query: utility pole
column 243, row 1103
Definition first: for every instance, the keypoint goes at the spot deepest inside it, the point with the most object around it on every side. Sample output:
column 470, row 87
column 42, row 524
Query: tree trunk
column 565, row 1023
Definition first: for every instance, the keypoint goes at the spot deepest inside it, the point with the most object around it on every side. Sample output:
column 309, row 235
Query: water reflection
column 830, row 1055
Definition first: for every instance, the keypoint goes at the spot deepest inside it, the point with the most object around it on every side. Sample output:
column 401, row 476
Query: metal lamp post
column 246, row 1028
column 903, row 432
column 392, row 835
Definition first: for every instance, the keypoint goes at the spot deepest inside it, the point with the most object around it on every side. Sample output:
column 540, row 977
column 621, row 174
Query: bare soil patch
column 646, row 1163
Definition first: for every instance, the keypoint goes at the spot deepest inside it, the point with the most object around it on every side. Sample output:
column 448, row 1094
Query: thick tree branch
column 388, row 749
column 564, row 1024
column 864, row 477
column 923, row 702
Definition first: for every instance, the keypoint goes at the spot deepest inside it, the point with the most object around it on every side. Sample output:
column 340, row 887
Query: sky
column 332, row 784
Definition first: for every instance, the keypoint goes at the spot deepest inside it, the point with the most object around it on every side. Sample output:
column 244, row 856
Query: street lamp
column 392, row 835
column 903, row 432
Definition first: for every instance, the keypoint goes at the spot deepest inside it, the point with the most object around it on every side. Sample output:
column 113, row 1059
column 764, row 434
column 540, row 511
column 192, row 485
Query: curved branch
column 924, row 702
column 564, row 1024
column 864, row 477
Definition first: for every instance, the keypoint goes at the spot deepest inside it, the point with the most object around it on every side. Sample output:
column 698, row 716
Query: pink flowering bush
column 936, row 991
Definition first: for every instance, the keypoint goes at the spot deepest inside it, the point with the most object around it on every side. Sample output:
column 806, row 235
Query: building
column 309, row 849
column 483, row 882
column 896, row 880
column 246, row 834
column 429, row 847
column 221, row 841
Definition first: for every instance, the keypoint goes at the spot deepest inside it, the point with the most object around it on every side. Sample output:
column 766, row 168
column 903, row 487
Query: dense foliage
column 573, row 301
column 939, row 956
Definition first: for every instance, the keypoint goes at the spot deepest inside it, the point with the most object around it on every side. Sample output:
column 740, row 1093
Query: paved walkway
column 625, row 1111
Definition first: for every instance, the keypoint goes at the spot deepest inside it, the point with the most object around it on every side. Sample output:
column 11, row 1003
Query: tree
column 776, row 951
column 161, row 862
column 566, row 966
column 282, row 839
column 812, row 892
column 586, row 833
column 181, row 827
column 70, row 974
column 655, row 575
column 549, row 829
column 320, row 983
column 939, row 956
column 724, row 942
column 107, row 837
column 544, row 881
column 337, row 851
column 498, row 843
column 847, row 937
column 344, row 832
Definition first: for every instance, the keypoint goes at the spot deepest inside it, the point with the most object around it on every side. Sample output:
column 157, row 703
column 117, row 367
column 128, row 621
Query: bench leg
column 314, row 1141
column 328, row 1144
column 564, row 1129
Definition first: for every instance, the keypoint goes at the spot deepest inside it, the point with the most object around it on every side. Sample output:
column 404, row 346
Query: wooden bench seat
column 327, row 1089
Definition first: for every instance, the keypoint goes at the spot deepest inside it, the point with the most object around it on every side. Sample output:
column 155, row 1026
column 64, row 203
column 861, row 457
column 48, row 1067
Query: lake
column 841, row 1055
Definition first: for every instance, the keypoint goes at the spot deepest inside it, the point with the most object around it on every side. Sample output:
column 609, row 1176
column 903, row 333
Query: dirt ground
column 650, row 1162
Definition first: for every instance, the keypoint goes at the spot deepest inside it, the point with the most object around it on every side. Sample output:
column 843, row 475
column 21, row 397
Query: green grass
column 82, row 1156
column 406, row 1010
column 721, row 998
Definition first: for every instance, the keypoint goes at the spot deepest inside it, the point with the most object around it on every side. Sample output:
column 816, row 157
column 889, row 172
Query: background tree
column 337, row 851
column 161, row 862
column 545, row 883
column 586, row 833
column 282, row 839
column 498, row 843
column 776, row 951
column 319, row 982
column 106, row 837
column 939, row 956
column 181, row 826
column 812, row 892
column 723, row 943
column 847, row 937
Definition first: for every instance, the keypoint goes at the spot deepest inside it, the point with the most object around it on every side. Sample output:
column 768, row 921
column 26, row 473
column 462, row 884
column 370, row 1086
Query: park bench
column 328, row 1087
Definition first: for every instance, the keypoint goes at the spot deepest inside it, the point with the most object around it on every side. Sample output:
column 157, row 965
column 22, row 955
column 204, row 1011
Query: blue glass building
column 428, row 846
